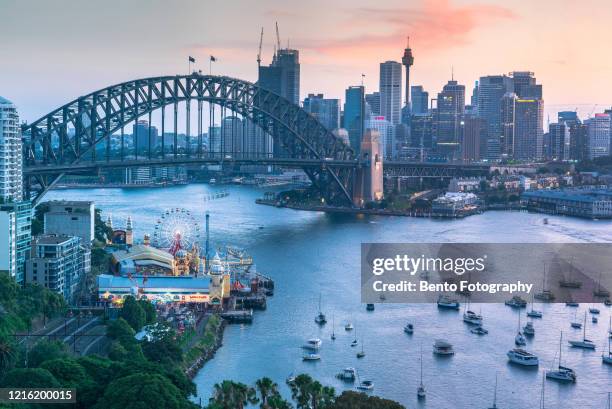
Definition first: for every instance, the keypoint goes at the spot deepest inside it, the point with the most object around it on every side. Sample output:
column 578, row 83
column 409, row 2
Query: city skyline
column 442, row 32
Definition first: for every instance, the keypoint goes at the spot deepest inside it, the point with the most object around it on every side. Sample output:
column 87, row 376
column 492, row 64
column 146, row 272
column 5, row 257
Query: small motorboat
column 347, row 375
column 594, row 310
column 521, row 357
column 366, row 386
column 516, row 302
column 594, row 319
column 443, row 347
column 534, row 314
column 409, row 329
column 370, row 307
column 479, row 330
column 471, row 317
column 577, row 325
column 311, row 357
column 445, row 302
column 572, row 304
column 348, row 327
column 528, row 329
column 354, row 343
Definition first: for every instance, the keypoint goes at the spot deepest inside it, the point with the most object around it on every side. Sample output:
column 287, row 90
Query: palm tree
column 7, row 355
column 310, row 394
column 233, row 395
column 267, row 389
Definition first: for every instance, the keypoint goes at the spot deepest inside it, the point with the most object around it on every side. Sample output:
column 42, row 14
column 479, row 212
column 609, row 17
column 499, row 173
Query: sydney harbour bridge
column 87, row 135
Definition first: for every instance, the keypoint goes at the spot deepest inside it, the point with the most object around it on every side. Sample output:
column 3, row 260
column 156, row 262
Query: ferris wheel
column 176, row 229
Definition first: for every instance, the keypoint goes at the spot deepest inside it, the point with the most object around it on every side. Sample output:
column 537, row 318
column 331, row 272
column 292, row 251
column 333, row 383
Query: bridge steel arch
column 97, row 116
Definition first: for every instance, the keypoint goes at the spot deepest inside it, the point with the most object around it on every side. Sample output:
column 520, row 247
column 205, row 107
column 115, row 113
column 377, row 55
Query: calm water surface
column 310, row 253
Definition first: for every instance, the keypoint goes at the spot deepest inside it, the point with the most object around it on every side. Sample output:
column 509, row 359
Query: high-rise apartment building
column 525, row 86
column 528, row 131
column 474, row 138
column 326, row 110
column 141, row 130
column 354, row 115
column 390, row 88
column 11, row 178
column 508, row 108
column 71, row 218
column 449, row 113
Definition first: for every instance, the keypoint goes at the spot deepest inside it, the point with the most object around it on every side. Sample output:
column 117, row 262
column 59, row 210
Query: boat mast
column 495, row 393
column 421, row 364
column 560, row 341
column 584, row 329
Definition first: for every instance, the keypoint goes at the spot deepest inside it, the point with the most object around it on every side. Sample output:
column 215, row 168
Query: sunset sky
column 52, row 51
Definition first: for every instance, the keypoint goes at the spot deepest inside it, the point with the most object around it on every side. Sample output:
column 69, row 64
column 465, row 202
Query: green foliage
column 163, row 349
column 46, row 351
column 8, row 354
column 67, row 371
column 232, row 395
column 121, row 331
column 356, row 400
column 143, row 391
column 149, row 310
column 101, row 229
column 133, row 313
column 310, row 394
column 29, row 378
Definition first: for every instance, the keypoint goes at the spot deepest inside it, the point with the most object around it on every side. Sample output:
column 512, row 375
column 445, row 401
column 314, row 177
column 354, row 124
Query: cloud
column 435, row 25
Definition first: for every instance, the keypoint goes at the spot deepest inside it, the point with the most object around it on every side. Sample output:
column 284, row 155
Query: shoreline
column 205, row 354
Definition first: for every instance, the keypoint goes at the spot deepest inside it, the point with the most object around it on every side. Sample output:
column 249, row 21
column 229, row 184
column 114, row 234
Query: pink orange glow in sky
column 52, row 51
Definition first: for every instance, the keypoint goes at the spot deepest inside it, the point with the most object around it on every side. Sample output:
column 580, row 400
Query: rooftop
column 106, row 281
column 53, row 239
column 575, row 195
column 5, row 101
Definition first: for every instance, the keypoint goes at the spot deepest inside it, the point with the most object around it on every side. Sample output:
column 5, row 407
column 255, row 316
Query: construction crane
column 278, row 45
column 259, row 53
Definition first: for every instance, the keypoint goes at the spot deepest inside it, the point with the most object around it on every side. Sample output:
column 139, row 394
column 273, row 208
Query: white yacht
column 447, row 302
column 562, row 373
column 528, row 329
column 348, row 327
column 320, row 317
column 313, row 344
column 443, row 347
column 522, row 357
column 534, row 313
column 366, row 386
column 472, row 318
column 585, row 343
column 348, row 374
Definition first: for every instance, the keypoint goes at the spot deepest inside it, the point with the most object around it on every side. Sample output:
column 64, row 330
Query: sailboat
column 495, row 395
column 607, row 359
column 471, row 317
column 570, row 283
column 421, row 388
column 546, row 295
column 361, row 353
column 355, row 342
column 320, row 318
column 333, row 335
column 575, row 323
column 519, row 339
column 562, row 373
column 599, row 291
column 585, row 343
column 533, row 313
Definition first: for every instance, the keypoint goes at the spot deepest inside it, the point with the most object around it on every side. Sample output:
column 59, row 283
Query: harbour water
column 310, row 253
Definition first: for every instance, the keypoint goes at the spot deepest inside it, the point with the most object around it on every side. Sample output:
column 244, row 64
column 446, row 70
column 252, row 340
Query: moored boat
column 521, row 357
column 443, row 347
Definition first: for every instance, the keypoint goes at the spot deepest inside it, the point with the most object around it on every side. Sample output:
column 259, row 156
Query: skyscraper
column 373, row 102
column 491, row 89
column 525, row 85
column 474, row 131
column 559, row 137
column 282, row 76
column 506, row 142
column 390, row 88
column 11, row 183
column 420, row 100
column 598, row 135
column 387, row 135
column 232, row 136
column 354, row 114
column 140, row 133
column 326, row 110
column 528, row 130
column 451, row 105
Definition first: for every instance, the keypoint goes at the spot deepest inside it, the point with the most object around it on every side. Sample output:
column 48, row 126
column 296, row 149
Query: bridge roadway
column 391, row 168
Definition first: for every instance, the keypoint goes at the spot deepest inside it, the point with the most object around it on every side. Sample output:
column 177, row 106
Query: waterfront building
column 354, row 115
column 419, row 100
column 588, row 203
column 326, row 110
column 143, row 259
column 387, row 135
column 59, row 263
column 449, row 112
column 373, row 103
column 598, row 135
column 454, row 204
column 141, row 175
column 71, row 218
column 390, row 88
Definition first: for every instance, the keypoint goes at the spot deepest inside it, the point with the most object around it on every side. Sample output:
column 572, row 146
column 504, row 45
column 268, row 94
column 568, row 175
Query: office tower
column 421, row 131
column 386, row 135
column 232, row 132
column 578, row 141
column 528, row 132
column 598, row 136
column 451, row 105
column 474, row 97
column 420, row 100
column 140, row 133
column 214, row 140
column 354, row 114
column 506, row 142
column 558, row 141
column 282, row 76
column 326, row 110
column 11, row 178
column 474, row 138
column 373, row 102
column 71, row 218
column 491, row 89
column 525, row 86
column 59, row 263
column 258, row 142
column 390, row 88
column 568, row 117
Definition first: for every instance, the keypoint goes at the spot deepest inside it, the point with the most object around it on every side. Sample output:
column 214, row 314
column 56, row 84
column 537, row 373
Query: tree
column 102, row 231
column 143, row 391
column 149, row 309
column 133, row 313
column 232, row 395
column 46, row 351
column 267, row 389
column 29, row 378
column 121, row 331
column 310, row 394
column 67, row 371
column 8, row 354
column 357, row 400
column 163, row 350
